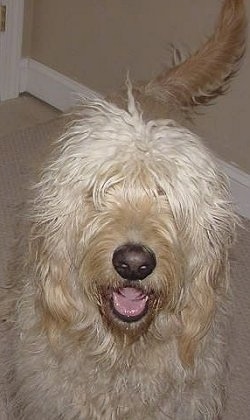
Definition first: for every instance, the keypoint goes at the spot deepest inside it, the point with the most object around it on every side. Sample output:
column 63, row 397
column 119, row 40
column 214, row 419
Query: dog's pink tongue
column 129, row 301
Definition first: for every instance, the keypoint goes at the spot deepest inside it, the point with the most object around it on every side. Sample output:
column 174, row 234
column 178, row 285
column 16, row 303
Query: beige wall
column 27, row 27
column 96, row 41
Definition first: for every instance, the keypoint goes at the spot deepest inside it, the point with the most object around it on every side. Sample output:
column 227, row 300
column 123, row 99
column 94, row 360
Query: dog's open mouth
column 129, row 304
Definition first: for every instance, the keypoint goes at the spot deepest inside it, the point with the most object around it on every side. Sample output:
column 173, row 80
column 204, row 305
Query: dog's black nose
column 134, row 261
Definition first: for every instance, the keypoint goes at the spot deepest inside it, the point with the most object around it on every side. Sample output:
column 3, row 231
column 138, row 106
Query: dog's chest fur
column 132, row 385
column 97, row 388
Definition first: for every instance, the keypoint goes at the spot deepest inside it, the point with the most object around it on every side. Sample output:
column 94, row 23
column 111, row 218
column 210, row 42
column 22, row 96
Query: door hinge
column 2, row 18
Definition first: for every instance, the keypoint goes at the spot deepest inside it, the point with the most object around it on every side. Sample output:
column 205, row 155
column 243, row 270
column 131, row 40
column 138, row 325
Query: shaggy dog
column 119, row 294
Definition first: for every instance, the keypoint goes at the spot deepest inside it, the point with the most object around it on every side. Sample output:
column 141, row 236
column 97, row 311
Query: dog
column 118, row 304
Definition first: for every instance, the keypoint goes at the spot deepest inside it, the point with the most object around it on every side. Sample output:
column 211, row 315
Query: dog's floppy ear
column 206, row 74
column 205, row 291
column 54, row 226
column 205, row 223
column 51, row 270
column 200, row 306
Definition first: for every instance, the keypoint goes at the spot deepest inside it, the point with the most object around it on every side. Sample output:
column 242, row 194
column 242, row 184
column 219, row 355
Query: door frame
column 11, row 49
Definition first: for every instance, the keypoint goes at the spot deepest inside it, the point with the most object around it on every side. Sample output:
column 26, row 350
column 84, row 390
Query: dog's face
column 132, row 265
column 132, row 224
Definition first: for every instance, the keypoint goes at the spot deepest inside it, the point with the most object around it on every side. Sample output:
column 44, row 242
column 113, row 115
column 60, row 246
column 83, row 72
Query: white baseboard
column 240, row 187
column 63, row 93
column 50, row 86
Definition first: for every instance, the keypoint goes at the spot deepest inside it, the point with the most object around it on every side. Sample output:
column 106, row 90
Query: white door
column 10, row 49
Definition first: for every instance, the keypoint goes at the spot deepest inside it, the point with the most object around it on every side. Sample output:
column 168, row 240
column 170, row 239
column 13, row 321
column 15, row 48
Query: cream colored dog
column 118, row 301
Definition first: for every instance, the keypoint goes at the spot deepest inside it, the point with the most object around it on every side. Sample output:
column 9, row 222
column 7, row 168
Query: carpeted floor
column 18, row 156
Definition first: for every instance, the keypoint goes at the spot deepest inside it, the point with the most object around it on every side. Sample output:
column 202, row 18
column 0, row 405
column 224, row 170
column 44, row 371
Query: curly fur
column 116, row 177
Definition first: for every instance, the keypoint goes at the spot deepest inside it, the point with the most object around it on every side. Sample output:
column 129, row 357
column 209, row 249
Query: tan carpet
column 18, row 155
column 22, row 112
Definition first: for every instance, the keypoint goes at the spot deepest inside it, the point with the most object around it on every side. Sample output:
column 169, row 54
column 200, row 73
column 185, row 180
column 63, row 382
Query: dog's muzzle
column 134, row 261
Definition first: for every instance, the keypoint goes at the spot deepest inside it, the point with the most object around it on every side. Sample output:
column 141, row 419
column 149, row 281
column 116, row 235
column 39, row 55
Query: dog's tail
column 205, row 74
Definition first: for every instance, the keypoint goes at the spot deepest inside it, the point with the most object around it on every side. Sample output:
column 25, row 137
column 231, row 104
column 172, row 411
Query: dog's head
column 132, row 224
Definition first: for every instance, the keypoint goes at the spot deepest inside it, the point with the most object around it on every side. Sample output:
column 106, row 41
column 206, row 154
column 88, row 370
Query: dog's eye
column 160, row 192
